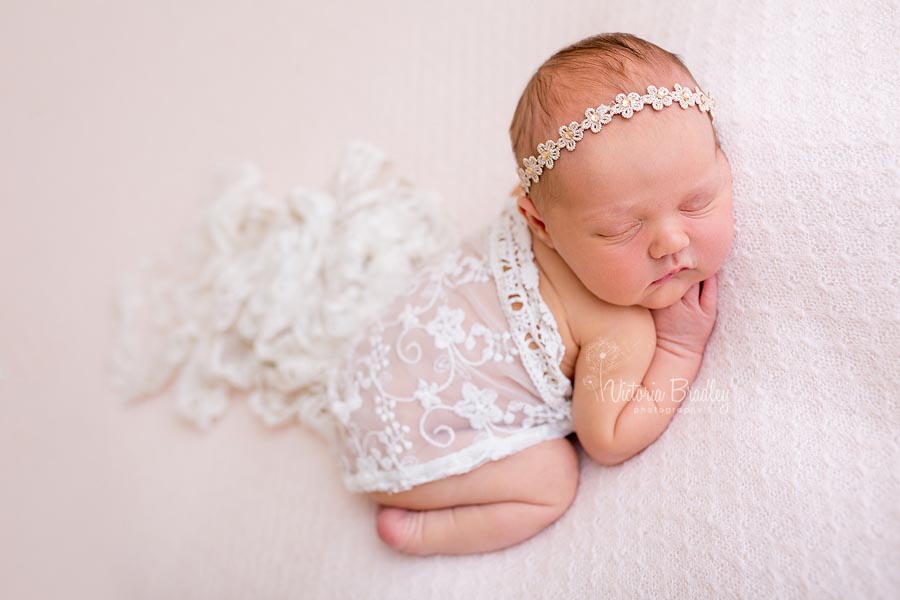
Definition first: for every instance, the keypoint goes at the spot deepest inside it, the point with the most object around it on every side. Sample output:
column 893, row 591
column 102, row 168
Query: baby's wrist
column 670, row 363
column 680, row 351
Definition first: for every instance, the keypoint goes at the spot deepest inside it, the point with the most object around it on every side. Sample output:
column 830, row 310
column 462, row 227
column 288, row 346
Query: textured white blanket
column 788, row 484
column 783, row 478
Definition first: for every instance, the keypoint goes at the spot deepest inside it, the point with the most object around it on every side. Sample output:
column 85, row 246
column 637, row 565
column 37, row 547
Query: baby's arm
column 629, row 381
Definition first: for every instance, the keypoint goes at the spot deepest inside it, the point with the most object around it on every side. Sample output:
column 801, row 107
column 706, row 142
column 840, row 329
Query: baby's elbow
column 610, row 459
column 604, row 454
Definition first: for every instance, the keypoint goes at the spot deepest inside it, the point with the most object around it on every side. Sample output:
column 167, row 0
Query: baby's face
column 640, row 198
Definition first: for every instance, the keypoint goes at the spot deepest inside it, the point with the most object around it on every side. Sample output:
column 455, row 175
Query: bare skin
column 499, row 504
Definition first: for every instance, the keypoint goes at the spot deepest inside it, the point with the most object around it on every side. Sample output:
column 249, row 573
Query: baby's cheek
column 622, row 277
column 724, row 237
column 716, row 243
column 628, row 268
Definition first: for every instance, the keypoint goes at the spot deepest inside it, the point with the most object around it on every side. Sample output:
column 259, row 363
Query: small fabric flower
column 479, row 406
column 686, row 98
column 706, row 102
column 628, row 103
column 533, row 168
column 427, row 395
column 596, row 118
column 446, row 327
column 524, row 180
column 570, row 134
column 547, row 153
column 658, row 97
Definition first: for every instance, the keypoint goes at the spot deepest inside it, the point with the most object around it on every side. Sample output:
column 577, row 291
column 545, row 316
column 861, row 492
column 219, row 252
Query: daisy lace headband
column 595, row 118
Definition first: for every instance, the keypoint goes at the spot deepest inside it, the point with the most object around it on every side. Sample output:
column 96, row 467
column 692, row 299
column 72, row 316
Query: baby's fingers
column 709, row 296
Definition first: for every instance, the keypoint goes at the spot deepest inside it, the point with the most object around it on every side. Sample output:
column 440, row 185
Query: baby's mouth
column 669, row 276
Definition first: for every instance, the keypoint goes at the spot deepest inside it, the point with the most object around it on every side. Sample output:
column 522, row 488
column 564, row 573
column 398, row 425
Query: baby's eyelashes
column 621, row 233
column 699, row 205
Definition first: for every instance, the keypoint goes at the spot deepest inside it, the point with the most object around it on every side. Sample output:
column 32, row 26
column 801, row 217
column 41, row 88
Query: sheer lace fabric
column 461, row 369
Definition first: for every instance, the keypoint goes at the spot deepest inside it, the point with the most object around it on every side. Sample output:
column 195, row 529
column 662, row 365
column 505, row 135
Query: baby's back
column 438, row 384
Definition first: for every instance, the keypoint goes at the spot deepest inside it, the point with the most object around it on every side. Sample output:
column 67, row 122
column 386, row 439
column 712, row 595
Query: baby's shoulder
column 593, row 318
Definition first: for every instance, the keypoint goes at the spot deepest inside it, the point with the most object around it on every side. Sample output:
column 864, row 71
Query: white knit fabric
column 786, row 484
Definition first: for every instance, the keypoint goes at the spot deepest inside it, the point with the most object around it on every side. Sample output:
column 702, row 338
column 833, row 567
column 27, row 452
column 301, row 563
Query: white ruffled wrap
column 263, row 300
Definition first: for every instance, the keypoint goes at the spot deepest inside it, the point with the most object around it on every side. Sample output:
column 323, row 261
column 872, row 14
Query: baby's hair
column 581, row 75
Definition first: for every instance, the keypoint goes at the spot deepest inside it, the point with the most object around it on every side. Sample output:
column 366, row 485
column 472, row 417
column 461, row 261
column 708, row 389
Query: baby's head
column 640, row 197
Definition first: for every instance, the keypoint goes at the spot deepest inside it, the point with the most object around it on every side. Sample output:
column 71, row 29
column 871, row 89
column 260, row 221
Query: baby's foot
column 398, row 527
column 464, row 529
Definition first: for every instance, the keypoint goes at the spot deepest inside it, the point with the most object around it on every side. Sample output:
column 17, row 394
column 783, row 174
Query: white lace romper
column 463, row 368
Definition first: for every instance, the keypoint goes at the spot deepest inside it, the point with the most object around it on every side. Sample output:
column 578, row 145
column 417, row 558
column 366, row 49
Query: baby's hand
column 684, row 328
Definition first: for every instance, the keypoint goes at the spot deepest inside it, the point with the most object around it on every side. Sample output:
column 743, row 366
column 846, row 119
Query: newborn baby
column 583, row 310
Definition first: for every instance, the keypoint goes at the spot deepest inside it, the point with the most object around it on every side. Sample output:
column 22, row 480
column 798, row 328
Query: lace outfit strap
column 531, row 323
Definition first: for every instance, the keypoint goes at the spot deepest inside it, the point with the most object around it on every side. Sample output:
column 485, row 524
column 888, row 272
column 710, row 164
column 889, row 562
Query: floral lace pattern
column 451, row 377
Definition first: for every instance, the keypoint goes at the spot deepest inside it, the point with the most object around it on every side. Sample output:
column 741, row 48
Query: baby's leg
column 499, row 504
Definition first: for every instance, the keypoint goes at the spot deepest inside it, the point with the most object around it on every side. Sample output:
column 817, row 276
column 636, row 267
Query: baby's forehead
column 599, row 170
column 646, row 137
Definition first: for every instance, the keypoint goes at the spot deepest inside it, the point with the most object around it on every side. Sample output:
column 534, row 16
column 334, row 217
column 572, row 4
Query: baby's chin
column 668, row 294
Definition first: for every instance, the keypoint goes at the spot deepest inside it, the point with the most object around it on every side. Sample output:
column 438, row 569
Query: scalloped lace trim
column 532, row 324
column 463, row 461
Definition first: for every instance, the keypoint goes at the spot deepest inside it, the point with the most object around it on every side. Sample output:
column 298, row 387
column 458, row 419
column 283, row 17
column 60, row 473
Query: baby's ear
column 533, row 217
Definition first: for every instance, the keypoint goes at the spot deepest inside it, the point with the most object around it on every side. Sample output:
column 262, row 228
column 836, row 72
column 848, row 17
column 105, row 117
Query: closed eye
column 622, row 234
column 699, row 206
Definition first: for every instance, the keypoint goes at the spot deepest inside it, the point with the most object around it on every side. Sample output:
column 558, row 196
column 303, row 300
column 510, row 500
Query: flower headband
column 595, row 118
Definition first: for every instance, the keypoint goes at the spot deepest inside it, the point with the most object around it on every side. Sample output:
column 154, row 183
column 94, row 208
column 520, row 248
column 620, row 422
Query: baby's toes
column 395, row 526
